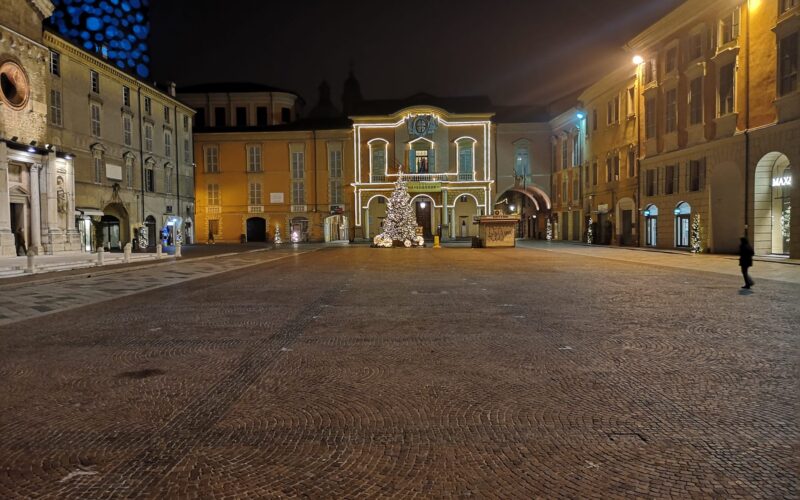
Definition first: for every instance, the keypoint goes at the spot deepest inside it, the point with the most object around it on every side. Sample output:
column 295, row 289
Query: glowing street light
column 637, row 59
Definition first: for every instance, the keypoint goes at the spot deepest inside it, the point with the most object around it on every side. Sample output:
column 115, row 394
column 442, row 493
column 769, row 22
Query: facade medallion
column 14, row 85
column 421, row 125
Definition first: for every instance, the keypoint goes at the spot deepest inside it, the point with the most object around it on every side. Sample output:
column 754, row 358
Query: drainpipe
column 141, row 148
column 177, row 162
column 747, row 120
column 314, row 135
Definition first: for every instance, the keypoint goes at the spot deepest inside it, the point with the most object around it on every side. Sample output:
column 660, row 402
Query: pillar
column 365, row 223
column 36, row 217
column 6, row 237
column 444, row 217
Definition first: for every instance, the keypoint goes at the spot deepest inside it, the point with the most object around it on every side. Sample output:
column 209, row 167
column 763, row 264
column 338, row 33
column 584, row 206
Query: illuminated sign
column 782, row 181
column 424, row 187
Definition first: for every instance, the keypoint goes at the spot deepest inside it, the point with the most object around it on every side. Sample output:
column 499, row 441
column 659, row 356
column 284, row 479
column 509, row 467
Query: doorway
column 627, row 227
column 683, row 213
column 256, row 229
column 424, row 218
column 109, row 229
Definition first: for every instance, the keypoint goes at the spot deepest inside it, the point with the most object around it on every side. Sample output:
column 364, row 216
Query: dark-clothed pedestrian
column 19, row 242
column 746, row 261
column 210, row 237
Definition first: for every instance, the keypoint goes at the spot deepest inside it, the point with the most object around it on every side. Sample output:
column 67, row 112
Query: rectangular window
column 168, row 180
column 335, row 173
column 148, row 138
column 696, row 101
column 129, row 172
column 286, row 115
column 149, row 180
column 219, row 117
column 466, row 167
column 95, row 119
column 212, row 160
column 615, row 166
column 696, row 46
column 298, row 178
column 671, row 60
column 729, row 27
column 650, row 183
column 650, row 71
column 609, row 169
column 631, row 163
column 564, row 152
column 787, row 5
column 168, row 144
column 612, row 109
column 148, row 106
column 98, row 170
column 185, row 123
column 55, row 63
column 95, row 81
column 726, row 89
column 697, row 175
column 127, row 132
column 594, row 174
column 254, row 158
column 631, row 101
column 55, row 108
column 650, row 118
column 166, row 114
column 669, row 179
column 241, row 117
column 671, row 111
column 788, row 63
column 187, row 153
column 126, row 96
column 254, row 195
column 576, row 188
column 261, row 116
column 594, row 119
column 213, row 195
column 576, row 150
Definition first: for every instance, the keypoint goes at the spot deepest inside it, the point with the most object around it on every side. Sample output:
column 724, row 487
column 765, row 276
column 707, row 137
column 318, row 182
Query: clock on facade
column 14, row 86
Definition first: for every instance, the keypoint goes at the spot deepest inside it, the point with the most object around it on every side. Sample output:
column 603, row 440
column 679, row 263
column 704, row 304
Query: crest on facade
column 421, row 125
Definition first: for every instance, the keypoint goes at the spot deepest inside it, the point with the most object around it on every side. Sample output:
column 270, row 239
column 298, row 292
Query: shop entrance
column 256, row 229
column 109, row 230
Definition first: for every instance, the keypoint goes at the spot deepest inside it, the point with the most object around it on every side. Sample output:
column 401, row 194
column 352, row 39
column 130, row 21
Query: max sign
column 782, row 181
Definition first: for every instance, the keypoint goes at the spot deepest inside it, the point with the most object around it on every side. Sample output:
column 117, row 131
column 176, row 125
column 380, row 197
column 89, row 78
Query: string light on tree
column 590, row 232
column 549, row 230
column 278, row 234
column 695, row 235
column 400, row 224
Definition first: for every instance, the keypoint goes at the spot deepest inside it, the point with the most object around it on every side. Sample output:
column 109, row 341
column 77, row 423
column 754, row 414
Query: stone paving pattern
column 355, row 372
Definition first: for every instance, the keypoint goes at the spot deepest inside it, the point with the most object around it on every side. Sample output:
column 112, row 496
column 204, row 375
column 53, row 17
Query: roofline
column 54, row 40
column 675, row 21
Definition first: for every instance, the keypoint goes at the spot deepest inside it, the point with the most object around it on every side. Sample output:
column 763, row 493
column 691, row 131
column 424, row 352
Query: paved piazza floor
column 356, row 372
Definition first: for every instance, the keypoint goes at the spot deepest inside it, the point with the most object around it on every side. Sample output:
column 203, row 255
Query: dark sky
column 514, row 51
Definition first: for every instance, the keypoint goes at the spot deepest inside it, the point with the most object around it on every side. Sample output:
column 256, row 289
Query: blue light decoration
column 116, row 30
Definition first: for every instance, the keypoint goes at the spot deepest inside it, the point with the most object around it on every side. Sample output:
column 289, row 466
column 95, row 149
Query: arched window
column 683, row 214
column 651, row 225
column 466, row 158
column 378, row 149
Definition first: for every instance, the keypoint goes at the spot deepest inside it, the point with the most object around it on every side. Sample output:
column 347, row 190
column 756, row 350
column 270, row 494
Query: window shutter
column 412, row 161
column 432, row 160
column 702, row 174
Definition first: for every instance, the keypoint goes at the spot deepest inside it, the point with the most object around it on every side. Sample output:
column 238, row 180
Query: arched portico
column 772, row 204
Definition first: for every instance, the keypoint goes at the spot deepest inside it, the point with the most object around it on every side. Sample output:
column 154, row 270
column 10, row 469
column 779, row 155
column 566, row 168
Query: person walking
column 746, row 261
column 210, row 237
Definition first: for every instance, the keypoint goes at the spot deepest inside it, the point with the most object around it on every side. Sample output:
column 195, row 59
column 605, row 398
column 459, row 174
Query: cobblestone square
column 356, row 372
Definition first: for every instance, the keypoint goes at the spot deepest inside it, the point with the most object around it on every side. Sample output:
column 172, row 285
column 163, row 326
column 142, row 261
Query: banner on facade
column 424, row 187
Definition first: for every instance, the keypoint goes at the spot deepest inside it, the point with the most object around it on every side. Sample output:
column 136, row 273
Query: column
column 70, row 187
column 453, row 224
column 36, row 218
column 5, row 201
column 444, row 217
column 365, row 223
column 51, row 173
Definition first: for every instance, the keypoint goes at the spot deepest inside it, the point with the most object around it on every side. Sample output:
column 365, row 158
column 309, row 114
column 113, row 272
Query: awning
column 91, row 212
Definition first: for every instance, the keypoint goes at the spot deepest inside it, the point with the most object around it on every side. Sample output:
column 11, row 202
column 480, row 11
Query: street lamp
column 637, row 59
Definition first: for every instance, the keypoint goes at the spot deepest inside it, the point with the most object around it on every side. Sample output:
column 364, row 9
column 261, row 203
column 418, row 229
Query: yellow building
column 720, row 128
column 610, row 175
column 567, row 157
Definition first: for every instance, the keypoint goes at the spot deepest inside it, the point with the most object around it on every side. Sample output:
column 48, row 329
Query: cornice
column 45, row 7
column 612, row 81
column 691, row 11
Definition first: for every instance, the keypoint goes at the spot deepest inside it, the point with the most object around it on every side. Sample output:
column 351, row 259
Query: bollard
column 177, row 249
column 31, row 264
column 100, row 256
column 436, row 242
column 158, row 251
column 126, row 256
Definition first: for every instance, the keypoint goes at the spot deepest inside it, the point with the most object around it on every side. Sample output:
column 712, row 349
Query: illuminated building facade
column 720, row 125
column 114, row 30
column 567, row 150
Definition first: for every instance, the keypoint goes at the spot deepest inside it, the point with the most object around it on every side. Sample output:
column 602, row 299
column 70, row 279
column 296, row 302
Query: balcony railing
column 426, row 177
column 378, row 178
column 466, row 176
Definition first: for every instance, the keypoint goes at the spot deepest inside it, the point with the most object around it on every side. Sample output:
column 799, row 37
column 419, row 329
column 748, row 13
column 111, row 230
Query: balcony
column 299, row 208
column 466, row 176
column 255, row 209
column 377, row 178
column 426, row 177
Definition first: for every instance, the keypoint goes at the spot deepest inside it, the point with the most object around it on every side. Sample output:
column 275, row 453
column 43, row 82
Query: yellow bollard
column 436, row 242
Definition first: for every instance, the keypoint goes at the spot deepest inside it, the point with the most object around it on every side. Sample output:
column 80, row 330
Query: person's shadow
column 745, row 291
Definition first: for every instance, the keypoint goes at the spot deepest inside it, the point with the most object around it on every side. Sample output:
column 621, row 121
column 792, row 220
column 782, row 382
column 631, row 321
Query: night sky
column 514, row 51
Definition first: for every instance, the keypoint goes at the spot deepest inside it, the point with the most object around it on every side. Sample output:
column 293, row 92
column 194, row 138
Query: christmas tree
column 278, row 234
column 590, row 232
column 695, row 235
column 549, row 230
column 400, row 224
